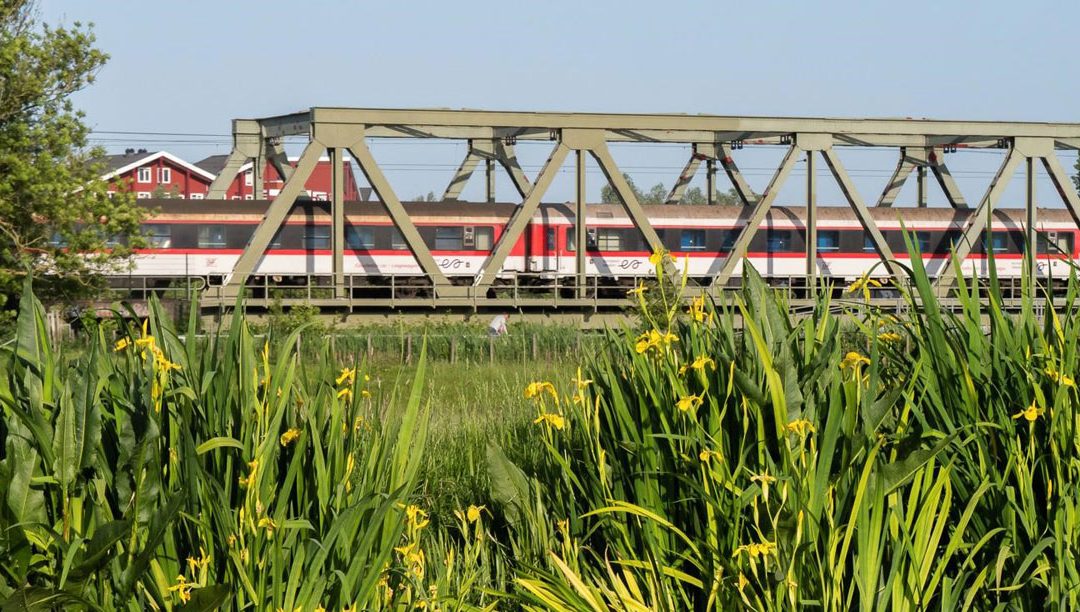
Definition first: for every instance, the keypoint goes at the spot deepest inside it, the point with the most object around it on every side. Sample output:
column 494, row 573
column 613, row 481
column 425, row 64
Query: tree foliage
column 57, row 221
column 657, row 194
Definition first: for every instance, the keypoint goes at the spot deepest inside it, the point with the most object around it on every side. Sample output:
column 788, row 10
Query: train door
column 551, row 249
column 1055, row 253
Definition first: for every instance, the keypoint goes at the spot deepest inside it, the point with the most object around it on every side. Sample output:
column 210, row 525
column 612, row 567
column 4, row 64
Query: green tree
column 696, row 195
column 657, row 194
column 1076, row 177
column 57, row 221
column 608, row 195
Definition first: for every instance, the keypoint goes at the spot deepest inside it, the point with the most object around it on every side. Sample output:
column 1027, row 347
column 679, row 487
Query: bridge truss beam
column 922, row 145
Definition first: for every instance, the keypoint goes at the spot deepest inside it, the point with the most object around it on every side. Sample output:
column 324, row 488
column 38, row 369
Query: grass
column 722, row 457
column 471, row 406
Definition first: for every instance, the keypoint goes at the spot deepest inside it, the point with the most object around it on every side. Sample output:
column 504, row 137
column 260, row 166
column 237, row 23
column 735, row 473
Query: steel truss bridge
column 921, row 147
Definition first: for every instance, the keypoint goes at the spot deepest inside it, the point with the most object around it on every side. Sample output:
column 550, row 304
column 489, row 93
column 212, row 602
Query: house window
column 249, row 178
column 143, row 195
column 778, row 241
column 828, row 241
column 692, row 240
column 317, row 237
column 235, row 197
column 360, row 237
column 144, row 175
column 158, row 236
column 485, row 237
column 212, row 237
column 164, row 175
column 249, row 197
column 198, row 196
column 609, row 240
column 448, row 238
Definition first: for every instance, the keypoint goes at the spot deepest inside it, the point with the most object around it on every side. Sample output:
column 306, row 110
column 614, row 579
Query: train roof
column 501, row 211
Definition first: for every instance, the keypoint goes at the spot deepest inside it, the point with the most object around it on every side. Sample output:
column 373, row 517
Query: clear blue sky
column 192, row 66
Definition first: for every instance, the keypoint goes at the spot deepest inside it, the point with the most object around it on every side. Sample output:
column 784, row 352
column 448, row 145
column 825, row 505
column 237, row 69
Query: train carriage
column 193, row 238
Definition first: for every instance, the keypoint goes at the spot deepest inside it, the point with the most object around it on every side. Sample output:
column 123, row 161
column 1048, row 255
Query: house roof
column 119, row 164
column 216, row 163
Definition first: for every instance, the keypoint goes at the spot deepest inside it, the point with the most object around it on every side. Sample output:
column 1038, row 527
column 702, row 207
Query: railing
column 516, row 291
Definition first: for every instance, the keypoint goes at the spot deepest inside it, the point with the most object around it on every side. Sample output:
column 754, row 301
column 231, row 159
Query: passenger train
column 204, row 238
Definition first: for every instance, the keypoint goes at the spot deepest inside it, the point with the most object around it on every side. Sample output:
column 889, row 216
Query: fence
column 466, row 348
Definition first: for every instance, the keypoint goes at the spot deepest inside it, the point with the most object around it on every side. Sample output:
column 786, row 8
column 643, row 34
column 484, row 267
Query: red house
column 156, row 174
column 317, row 187
column 160, row 174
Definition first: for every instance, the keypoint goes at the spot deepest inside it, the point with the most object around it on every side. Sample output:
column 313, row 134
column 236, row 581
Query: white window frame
column 249, row 197
column 164, row 175
column 249, row 178
column 197, row 196
column 144, row 175
column 143, row 195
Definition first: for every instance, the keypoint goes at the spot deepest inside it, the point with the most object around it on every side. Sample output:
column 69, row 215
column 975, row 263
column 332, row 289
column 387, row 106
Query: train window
column 1000, row 242
column 397, row 240
column 778, row 241
column 868, row 243
column 485, row 238
column 828, row 241
column 692, row 240
column 727, row 243
column 448, row 238
column 57, row 241
column 158, row 235
column 609, row 239
column 571, row 240
column 317, row 237
column 923, row 240
column 359, row 237
column 590, row 240
column 1055, row 243
column 212, row 237
column 275, row 242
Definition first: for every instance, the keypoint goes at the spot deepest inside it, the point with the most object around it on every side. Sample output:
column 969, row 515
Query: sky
column 189, row 68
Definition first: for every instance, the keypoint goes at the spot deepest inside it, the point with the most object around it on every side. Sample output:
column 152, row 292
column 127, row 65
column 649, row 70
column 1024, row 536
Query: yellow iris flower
column 1031, row 413
column 289, row 436
column 688, row 403
column 854, row 361
column 553, row 420
column 863, row 284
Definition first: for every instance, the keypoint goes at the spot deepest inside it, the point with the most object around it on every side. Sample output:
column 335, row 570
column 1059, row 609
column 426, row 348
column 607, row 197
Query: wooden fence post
column 408, row 349
column 491, row 349
column 453, row 349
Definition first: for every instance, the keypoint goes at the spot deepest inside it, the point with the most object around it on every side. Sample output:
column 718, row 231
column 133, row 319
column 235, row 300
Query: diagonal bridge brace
column 337, row 139
column 490, row 152
column 810, row 144
column 918, row 159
